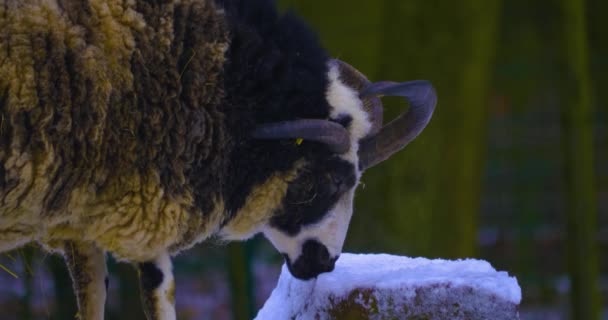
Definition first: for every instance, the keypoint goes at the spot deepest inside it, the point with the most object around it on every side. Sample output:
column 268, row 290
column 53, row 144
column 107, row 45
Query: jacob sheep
column 140, row 128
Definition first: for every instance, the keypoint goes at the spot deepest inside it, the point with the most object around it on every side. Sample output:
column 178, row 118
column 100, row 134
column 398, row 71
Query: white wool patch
column 331, row 231
column 345, row 100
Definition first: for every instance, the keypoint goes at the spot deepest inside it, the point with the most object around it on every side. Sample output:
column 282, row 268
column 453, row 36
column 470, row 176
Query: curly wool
column 125, row 122
column 106, row 106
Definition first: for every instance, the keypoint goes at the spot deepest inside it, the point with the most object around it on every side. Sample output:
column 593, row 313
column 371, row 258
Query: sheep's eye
column 336, row 183
column 343, row 119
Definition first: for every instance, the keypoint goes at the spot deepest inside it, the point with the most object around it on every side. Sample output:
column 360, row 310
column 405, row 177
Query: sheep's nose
column 314, row 260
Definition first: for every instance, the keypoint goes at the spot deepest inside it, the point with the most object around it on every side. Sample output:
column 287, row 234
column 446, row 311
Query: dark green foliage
column 241, row 281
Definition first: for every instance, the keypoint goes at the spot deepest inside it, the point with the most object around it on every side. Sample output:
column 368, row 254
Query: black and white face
column 311, row 227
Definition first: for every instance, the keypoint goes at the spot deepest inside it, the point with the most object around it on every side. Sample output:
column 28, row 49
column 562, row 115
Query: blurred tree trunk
column 424, row 200
column 577, row 121
column 241, row 281
column 598, row 45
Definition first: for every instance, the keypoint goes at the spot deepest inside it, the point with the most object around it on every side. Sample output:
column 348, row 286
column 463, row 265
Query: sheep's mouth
column 314, row 260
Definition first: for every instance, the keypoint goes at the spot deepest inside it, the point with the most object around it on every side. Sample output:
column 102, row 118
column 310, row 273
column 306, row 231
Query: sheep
column 141, row 128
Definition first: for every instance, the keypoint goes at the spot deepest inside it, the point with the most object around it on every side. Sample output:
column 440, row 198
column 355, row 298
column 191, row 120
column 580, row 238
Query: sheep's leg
column 157, row 288
column 87, row 266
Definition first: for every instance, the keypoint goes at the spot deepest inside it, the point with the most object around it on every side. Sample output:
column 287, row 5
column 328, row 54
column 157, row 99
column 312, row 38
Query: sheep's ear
column 395, row 135
column 327, row 132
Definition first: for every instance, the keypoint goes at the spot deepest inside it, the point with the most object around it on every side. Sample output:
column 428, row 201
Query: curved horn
column 329, row 133
column 401, row 131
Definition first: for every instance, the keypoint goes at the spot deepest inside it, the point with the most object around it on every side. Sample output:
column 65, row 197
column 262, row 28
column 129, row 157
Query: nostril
column 314, row 260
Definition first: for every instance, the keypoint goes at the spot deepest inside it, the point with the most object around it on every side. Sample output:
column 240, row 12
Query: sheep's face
column 310, row 228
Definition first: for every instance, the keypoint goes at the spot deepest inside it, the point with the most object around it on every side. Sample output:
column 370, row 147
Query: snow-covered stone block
column 381, row 286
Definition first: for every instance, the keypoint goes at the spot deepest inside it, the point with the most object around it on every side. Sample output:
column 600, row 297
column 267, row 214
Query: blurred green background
column 512, row 169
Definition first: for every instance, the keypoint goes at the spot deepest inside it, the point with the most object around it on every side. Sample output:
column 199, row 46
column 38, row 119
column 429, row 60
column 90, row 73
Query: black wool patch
column 276, row 70
column 313, row 193
column 151, row 276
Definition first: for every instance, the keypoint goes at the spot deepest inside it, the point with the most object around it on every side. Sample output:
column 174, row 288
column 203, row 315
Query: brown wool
column 101, row 107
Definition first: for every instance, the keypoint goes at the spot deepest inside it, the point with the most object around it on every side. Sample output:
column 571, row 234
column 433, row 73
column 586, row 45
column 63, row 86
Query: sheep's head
column 311, row 226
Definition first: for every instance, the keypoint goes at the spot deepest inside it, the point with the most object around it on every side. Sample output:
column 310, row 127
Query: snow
column 383, row 283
